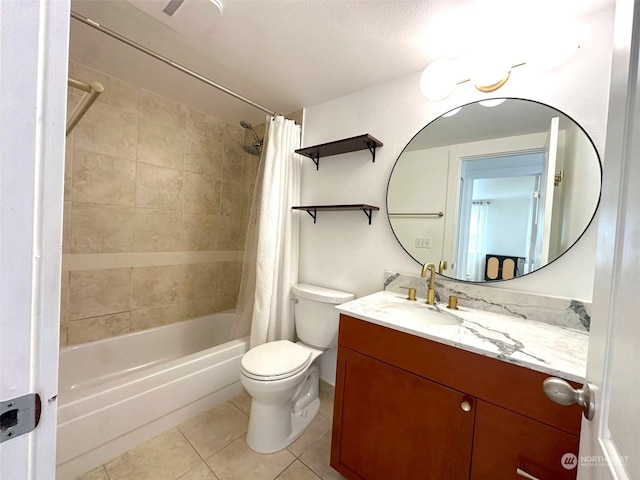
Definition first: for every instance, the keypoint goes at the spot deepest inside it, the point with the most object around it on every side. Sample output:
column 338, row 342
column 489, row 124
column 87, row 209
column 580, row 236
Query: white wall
column 410, row 193
column 342, row 251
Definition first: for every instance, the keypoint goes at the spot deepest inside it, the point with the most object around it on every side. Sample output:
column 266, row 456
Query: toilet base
column 261, row 443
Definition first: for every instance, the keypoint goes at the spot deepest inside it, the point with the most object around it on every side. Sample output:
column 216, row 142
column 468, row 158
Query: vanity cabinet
column 407, row 408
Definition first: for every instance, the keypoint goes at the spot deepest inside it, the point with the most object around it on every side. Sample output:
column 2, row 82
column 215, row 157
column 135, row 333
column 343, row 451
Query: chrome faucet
column 431, row 292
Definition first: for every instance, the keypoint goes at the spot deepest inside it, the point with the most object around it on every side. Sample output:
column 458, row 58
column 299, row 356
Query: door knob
column 560, row 392
column 466, row 406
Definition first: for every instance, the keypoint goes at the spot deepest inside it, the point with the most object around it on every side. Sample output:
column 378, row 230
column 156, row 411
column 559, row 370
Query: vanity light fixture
column 439, row 79
column 489, row 60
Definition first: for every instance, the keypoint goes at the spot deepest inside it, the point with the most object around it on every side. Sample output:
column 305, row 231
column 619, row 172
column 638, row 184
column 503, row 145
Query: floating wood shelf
column 314, row 209
column 353, row 144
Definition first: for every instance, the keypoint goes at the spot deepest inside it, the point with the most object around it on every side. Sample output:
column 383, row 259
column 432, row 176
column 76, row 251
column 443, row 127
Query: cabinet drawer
column 510, row 386
column 505, row 441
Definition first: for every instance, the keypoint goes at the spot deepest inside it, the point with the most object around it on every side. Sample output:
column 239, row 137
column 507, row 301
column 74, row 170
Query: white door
column 545, row 196
column 609, row 445
column 33, row 71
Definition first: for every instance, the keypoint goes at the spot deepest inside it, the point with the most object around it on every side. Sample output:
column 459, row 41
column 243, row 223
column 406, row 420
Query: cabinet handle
column 466, row 406
column 522, row 473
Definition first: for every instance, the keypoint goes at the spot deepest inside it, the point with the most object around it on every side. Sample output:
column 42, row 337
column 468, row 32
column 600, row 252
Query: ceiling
column 285, row 54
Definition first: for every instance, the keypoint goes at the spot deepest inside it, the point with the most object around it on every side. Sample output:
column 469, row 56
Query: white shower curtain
column 477, row 241
column 270, row 266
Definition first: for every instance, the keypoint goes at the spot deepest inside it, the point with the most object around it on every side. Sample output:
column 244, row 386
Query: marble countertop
column 551, row 349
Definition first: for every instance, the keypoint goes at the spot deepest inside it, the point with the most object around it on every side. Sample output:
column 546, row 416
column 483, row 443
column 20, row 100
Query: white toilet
column 282, row 377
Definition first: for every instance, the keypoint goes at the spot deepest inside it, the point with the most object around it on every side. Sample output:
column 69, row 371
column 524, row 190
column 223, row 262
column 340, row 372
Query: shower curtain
column 270, row 266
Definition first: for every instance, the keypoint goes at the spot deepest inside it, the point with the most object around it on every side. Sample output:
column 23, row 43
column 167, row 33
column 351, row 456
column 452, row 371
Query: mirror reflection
column 494, row 190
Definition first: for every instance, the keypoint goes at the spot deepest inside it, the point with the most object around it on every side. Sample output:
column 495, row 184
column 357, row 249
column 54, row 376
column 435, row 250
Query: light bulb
column 438, row 80
column 556, row 46
column 451, row 113
column 493, row 102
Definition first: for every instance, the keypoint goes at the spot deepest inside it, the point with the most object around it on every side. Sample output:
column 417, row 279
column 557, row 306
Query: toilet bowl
column 282, row 377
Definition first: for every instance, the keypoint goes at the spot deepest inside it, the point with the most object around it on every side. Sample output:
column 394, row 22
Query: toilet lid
column 281, row 358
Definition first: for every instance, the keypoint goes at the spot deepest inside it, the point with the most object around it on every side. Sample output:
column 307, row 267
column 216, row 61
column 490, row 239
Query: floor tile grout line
column 104, row 469
column 221, row 448
column 285, row 468
column 190, row 444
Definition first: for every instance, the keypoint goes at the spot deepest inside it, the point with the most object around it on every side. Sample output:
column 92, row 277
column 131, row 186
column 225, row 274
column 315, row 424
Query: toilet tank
column 315, row 315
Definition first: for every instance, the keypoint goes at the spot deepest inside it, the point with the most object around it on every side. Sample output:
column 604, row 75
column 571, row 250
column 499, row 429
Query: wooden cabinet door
column 391, row 424
column 505, row 441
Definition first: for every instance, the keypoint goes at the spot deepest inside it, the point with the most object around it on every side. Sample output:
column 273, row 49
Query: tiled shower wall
column 155, row 212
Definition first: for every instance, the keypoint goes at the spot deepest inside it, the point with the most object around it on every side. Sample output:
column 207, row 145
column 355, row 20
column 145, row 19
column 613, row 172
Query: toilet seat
column 275, row 360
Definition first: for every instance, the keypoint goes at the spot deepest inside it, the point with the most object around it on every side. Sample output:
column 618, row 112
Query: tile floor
column 212, row 446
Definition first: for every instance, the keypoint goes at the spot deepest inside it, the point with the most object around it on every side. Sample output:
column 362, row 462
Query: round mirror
column 494, row 190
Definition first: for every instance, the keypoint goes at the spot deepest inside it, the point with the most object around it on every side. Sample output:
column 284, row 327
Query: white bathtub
column 117, row 393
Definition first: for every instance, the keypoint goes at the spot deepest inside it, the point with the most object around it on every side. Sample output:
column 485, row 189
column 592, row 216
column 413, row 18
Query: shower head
column 253, row 149
column 247, row 126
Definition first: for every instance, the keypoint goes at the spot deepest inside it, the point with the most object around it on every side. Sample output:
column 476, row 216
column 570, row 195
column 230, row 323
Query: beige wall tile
column 101, row 228
column 154, row 286
column 135, row 165
column 205, row 125
column 103, row 179
column 234, row 134
column 64, row 298
column 167, row 314
column 161, row 144
column 204, row 155
column 229, row 276
column 63, row 335
column 198, row 281
column 226, row 302
column 201, row 194
column 233, row 199
column 158, row 316
column 162, row 110
column 251, row 164
column 200, row 308
column 66, row 227
column 200, row 231
column 233, row 163
column 157, row 231
column 98, row 328
column 68, row 166
column 229, row 233
column 117, row 93
column 159, row 188
column 109, row 130
column 94, row 293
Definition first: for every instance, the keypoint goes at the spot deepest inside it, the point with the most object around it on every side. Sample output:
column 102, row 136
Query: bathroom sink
column 423, row 314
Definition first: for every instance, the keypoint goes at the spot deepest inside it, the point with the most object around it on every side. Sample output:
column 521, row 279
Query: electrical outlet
column 423, row 242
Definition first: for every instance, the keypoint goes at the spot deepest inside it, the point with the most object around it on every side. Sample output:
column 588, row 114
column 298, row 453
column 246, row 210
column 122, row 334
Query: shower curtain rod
column 171, row 63
column 92, row 92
